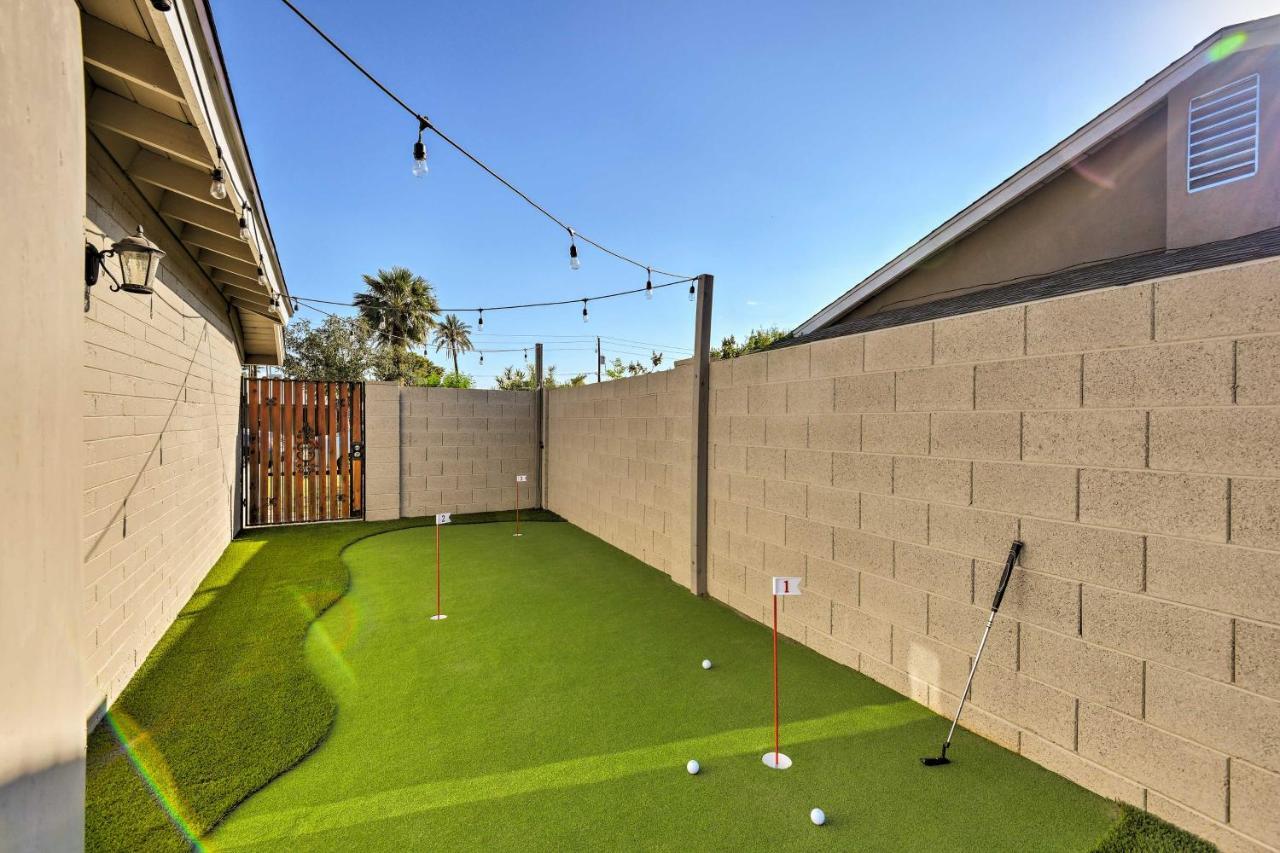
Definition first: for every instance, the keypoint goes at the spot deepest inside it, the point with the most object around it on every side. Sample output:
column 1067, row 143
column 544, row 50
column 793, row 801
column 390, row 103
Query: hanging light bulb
column 245, row 234
column 648, row 283
column 526, row 355
column 420, row 151
column 482, row 319
column 585, row 317
column 262, row 277
column 482, row 358
column 217, row 184
column 574, row 263
column 693, row 289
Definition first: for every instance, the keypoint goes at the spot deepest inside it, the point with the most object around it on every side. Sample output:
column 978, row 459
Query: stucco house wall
column 41, row 283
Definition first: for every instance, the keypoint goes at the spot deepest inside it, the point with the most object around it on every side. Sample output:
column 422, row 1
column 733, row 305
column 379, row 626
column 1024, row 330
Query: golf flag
column 522, row 478
column 786, row 586
column 443, row 517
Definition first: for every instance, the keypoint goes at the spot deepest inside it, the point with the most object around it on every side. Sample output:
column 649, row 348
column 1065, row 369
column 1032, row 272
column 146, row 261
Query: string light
column 693, row 289
column 420, row 151
column 245, row 234
column 217, row 180
column 482, row 356
column 425, row 124
column 546, row 304
column 585, row 317
column 262, row 276
column 481, row 319
column 648, row 284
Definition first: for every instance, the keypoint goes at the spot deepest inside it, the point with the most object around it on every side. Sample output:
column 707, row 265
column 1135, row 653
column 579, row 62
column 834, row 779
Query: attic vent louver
column 1222, row 135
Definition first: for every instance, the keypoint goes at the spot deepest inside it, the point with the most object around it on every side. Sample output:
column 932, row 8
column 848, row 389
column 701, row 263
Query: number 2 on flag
column 443, row 517
column 786, row 586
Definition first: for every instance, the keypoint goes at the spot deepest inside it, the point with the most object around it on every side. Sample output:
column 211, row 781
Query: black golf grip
column 1014, row 550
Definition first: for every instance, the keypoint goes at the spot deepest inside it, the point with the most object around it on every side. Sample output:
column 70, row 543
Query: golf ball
column 818, row 816
column 706, row 664
column 693, row 767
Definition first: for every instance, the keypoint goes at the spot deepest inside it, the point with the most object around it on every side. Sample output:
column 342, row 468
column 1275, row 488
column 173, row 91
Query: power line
column 425, row 124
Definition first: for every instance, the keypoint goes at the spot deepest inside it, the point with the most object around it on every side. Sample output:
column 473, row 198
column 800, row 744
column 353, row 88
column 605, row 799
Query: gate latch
column 357, row 450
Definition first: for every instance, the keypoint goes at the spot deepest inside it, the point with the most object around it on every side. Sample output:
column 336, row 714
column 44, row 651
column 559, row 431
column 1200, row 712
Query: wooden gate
column 303, row 450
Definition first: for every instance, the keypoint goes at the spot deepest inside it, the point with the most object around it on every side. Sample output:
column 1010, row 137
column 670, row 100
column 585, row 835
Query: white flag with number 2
column 443, row 517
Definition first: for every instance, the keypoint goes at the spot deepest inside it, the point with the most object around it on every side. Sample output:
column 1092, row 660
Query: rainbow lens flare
column 149, row 763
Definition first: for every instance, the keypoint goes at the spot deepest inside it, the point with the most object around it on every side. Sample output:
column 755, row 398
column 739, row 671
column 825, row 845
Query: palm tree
column 399, row 307
column 453, row 336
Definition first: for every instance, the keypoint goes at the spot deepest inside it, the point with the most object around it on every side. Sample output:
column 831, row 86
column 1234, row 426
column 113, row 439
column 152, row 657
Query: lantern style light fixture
column 136, row 260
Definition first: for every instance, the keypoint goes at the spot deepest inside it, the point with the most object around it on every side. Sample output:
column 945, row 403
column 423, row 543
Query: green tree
column 518, row 379
column 405, row 367
column 759, row 339
column 340, row 349
column 399, row 307
column 453, row 336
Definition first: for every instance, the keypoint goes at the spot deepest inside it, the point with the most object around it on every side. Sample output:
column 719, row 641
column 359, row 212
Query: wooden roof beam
column 135, row 60
column 176, row 178
column 229, row 247
column 149, row 128
column 191, row 212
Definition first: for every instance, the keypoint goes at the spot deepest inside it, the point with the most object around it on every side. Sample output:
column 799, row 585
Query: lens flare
column 1226, row 46
column 149, row 763
column 331, row 642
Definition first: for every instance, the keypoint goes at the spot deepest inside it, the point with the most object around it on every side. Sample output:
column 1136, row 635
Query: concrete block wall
column 618, row 464
column 447, row 450
column 1129, row 437
column 161, row 397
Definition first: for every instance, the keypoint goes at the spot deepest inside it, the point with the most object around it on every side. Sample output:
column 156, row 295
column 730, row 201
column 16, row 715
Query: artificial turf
column 554, row 709
column 226, row 701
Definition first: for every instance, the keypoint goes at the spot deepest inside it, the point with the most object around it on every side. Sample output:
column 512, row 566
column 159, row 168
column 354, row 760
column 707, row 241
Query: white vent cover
column 1222, row 135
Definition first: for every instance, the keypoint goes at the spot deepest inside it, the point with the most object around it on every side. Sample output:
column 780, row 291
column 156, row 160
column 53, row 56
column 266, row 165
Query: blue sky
column 787, row 148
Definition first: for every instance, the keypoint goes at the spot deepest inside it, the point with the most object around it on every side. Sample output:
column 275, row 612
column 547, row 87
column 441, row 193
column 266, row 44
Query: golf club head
column 932, row 761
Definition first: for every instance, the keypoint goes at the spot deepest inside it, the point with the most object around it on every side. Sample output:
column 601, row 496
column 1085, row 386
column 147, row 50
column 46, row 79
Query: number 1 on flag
column 786, row 586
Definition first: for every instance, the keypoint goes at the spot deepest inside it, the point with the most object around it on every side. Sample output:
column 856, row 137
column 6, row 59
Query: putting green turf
column 557, row 705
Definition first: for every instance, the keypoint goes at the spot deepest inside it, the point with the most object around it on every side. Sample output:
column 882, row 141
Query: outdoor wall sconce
column 138, row 260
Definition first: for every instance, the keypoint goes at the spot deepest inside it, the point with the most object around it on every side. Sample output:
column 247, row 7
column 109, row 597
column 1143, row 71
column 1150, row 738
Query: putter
column 1014, row 550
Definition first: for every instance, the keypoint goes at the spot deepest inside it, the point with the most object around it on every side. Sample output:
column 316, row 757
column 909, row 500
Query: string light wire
column 426, row 123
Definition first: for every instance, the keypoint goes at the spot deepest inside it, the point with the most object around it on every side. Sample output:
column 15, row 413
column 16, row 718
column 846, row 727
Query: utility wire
column 547, row 304
column 425, row 124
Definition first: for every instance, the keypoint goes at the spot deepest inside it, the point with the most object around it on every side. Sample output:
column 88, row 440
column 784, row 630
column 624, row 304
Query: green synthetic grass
column 554, row 709
column 1140, row 832
column 226, row 701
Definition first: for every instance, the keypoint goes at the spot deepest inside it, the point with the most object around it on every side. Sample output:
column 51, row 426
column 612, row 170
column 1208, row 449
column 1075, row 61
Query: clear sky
column 787, row 148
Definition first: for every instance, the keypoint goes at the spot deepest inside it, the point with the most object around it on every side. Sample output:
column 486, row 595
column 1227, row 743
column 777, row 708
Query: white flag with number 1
column 786, row 586
column 443, row 517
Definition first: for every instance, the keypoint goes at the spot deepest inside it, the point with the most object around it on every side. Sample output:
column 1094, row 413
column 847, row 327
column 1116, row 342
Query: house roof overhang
column 1135, row 105
column 161, row 105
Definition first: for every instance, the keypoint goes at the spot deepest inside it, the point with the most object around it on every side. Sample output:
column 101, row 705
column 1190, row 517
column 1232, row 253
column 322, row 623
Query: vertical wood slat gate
column 303, row 451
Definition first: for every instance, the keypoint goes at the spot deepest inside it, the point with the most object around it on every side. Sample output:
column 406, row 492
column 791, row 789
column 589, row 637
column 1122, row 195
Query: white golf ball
column 818, row 816
column 706, row 664
column 693, row 767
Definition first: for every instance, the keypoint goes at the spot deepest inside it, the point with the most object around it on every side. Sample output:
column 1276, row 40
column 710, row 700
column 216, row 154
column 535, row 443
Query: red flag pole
column 438, row 571
column 777, row 748
column 517, row 506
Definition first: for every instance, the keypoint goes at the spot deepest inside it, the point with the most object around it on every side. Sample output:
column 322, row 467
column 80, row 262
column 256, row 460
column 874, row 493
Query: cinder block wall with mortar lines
column 618, row 464
column 1130, row 437
column 447, row 450
column 161, row 393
